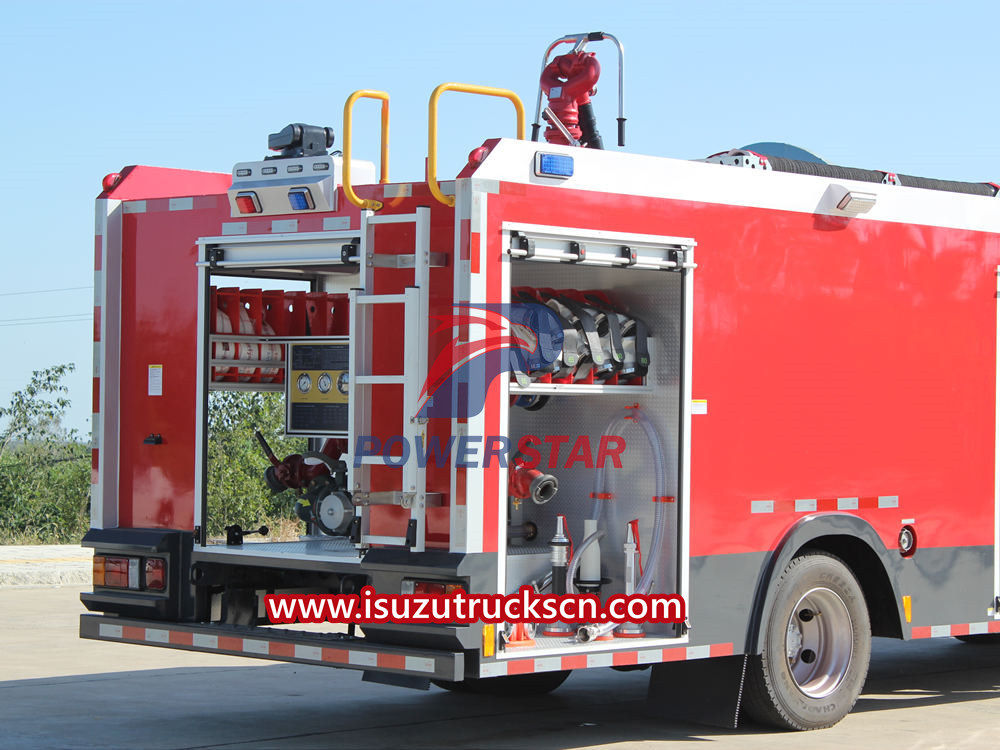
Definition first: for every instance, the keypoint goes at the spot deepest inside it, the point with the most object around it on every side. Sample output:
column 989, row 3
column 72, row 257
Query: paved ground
column 58, row 691
column 44, row 565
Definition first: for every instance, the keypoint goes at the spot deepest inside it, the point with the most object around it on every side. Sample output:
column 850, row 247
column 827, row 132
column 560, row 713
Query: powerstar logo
column 486, row 340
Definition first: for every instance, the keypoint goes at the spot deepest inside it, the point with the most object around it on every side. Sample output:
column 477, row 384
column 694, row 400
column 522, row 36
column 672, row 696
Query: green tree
column 237, row 492
column 44, row 468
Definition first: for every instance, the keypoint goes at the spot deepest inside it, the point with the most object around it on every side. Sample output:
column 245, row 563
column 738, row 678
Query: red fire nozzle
column 524, row 484
column 568, row 81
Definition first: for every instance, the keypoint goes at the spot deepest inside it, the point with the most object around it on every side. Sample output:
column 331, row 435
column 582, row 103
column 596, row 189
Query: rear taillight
column 410, row 586
column 123, row 572
column 156, row 573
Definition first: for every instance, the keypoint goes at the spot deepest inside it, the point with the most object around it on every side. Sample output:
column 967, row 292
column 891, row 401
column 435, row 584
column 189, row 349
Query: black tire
column 512, row 686
column 819, row 684
column 981, row 639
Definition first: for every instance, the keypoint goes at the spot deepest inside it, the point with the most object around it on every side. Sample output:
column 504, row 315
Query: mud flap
column 701, row 691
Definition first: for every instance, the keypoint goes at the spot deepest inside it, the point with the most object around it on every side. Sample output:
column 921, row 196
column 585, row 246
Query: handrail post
column 364, row 203
column 432, row 183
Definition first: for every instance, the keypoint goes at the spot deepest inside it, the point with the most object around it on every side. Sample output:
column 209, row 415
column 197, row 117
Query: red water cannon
column 569, row 81
column 295, row 472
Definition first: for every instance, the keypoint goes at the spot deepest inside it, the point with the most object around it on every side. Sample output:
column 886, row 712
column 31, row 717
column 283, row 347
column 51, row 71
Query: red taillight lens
column 116, row 572
column 426, row 587
column 156, row 573
column 247, row 203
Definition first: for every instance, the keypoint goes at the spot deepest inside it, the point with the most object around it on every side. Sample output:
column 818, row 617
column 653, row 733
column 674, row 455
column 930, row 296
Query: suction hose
column 645, row 584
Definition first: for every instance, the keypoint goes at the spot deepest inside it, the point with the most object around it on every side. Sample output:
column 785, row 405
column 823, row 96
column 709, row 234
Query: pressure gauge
column 342, row 382
column 324, row 382
column 304, row 383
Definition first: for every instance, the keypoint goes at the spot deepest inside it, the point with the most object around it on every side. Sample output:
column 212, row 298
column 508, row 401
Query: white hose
column 657, row 545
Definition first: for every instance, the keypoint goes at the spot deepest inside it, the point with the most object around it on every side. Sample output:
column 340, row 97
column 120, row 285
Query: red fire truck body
column 823, row 379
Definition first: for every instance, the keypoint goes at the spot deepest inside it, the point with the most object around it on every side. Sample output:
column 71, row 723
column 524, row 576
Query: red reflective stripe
column 274, row 648
column 181, row 638
column 391, row 661
column 921, row 631
column 960, row 629
column 521, row 666
column 624, row 658
column 674, row 654
column 97, row 323
column 336, row 655
column 721, row 649
column 662, row 499
column 994, row 627
column 229, row 643
column 576, row 661
column 132, row 633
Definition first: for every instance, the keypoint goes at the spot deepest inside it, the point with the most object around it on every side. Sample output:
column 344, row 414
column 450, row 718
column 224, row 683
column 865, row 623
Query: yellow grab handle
column 432, row 183
column 384, row 173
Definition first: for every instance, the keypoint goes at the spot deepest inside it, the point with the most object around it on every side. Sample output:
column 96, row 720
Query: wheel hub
column 819, row 642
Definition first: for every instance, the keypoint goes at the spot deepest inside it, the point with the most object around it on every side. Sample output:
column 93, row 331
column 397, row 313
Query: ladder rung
column 378, row 379
column 392, row 219
column 380, row 299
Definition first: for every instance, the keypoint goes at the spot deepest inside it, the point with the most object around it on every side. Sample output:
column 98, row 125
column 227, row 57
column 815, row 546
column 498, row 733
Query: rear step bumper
column 325, row 649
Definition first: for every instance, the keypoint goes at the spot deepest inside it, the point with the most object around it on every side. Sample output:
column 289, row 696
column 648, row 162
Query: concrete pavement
column 59, row 691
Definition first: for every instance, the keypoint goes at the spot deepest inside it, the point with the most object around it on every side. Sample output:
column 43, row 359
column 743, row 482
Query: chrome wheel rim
column 819, row 642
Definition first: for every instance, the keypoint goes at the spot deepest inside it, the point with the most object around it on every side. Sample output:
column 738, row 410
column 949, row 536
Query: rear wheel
column 511, row 686
column 817, row 643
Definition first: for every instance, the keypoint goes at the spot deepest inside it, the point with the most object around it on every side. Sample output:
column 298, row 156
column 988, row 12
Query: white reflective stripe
column 940, row 631
column 699, row 652
column 649, row 656
column 762, row 506
column 403, row 190
column 156, row 635
column 333, row 223
column 888, row 501
column 109, row 631
column 97, row 359
column 600, row 660
column 979, row 628
column 485, row 186
column 313, row 653
column 805, row 506
column 493, row 669
column 548, row 664
column 283, row 226
column 234, row 227
column 181, row 204
column 362, row 658
column 202, row 640
column 95, row 430
column 419, row 664
column 847, row 503
column 134, row 207
column 255, row 647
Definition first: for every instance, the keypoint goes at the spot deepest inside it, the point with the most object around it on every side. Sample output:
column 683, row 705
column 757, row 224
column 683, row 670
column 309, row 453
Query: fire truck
column 798, row 362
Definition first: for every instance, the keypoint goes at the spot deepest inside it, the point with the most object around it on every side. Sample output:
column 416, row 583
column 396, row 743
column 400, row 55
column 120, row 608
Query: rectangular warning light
column 553, row 165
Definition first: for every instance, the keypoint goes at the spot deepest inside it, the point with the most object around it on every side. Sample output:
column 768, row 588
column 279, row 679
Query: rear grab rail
column 365, row 203
column 432, row 182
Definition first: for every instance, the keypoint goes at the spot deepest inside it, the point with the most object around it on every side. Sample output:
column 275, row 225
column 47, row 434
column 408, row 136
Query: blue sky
column 91, row 87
